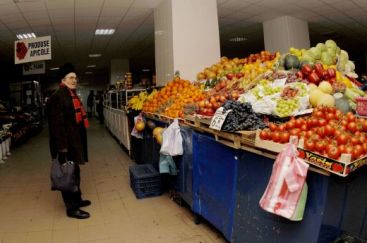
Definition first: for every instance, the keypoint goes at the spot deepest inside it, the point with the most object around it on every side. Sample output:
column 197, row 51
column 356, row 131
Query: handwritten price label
column 218, row 119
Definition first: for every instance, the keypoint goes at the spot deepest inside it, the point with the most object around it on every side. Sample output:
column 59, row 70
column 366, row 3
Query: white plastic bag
column 172, row 140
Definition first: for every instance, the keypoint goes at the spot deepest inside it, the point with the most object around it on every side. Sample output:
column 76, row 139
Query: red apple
column 239, row 75
column 230, row 76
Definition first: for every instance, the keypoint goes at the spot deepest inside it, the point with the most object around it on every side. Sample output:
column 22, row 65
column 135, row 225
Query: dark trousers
column 72, row 199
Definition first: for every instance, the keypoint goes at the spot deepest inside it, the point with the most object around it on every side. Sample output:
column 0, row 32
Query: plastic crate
column 145, row 181
column 361, row 106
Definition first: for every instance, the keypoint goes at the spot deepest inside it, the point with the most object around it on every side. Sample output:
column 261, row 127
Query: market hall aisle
column 31, row 213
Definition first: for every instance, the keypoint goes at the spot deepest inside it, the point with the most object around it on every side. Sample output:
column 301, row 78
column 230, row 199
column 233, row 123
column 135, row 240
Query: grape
column 285, row 107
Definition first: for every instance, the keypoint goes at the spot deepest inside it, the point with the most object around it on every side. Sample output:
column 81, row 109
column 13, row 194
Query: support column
column 186, row 38
column 284, row 32
column 118, row 68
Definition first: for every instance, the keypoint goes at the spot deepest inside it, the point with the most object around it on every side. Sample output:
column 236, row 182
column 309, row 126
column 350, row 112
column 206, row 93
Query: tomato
column 284, row 137
column 338, row 114
column 309, row 134
column 352, row 126
column 300, row 122
column 359, row 126
column 364, row 125
column 318, row 114
column 354, row 140
column 337, row 133
column 281, row 128
column 276, row 137
column 291, row 124
column 357, row 151
column 364, row 145
column 342, row 148
column 322, row 122
column 264, row 135
column 337, row 168
column 309, row 145
column 273, row 127
column 320, row 146
column 330, row 116
column 333, row 123
column 348, row 150
column 342, row 139
column 295, row 132
column 333, row 152
column 350, row 117
column 344, row 122
column 304, row 127
column 329, row 130
column 321, row 132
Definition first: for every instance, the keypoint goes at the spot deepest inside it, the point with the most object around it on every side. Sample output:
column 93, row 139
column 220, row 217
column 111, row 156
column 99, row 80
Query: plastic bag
column 135, row 132
column 172, row 140
column 62, row 176
column 283, row 193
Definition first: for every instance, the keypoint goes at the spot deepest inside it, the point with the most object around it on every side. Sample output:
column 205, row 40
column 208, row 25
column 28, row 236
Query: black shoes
column 84, row 203
column 78, row 214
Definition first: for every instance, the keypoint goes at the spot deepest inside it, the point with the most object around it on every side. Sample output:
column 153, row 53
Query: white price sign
column 218, row 119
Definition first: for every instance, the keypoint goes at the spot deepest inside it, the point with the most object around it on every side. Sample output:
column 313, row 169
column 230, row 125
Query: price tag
column 218, row 119
column 279, row 82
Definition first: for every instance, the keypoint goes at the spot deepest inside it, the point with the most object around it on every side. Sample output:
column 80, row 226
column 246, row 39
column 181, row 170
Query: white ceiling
column 72, row 23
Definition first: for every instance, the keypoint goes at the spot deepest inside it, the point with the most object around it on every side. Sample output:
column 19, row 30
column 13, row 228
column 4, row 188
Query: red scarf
column 80, row 114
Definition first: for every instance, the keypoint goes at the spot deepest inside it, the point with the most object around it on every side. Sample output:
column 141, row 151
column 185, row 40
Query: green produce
column 341, row 102
column 286, row 107
column 291, row 62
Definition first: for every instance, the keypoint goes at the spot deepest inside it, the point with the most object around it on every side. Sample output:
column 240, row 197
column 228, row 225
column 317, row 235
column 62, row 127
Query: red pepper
column 331, row 72
column 319, row 69
column 299, row 74
column 306, row 69
column 355, row 81
column 325, row 75
column 313, row 78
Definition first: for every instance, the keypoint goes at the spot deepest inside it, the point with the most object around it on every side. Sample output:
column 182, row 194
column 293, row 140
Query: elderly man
column 68, row 138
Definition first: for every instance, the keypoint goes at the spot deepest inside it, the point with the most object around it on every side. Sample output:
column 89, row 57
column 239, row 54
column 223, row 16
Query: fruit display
column 128, row 81
column 158, row 134
column 327, row 132
column 272, row 98
column 242, row 117
column 172, row 98
column 137, row 101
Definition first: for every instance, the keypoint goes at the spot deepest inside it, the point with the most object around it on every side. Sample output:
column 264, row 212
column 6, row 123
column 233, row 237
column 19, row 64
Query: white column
column 186, row 38
column 284, row 32
column 118, row 68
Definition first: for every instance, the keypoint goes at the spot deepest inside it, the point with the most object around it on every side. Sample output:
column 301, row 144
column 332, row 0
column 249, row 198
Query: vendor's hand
column 62, row 157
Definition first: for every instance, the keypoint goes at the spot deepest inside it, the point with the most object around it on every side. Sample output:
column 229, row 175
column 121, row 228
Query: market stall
column 242, row 115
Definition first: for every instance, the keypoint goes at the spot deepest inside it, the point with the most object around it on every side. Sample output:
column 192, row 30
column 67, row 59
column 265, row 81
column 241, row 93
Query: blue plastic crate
column 145, row 181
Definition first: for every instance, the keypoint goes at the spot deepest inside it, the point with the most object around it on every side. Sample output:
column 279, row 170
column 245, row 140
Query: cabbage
column 330, row 43
column 321, row 46
column 315, row 53
column 349, row 67
column 338, row 50
column 326, row 58
column 344, row 54
column 331, row 51
column 307, row 58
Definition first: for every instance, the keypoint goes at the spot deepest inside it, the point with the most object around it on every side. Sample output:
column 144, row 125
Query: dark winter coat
column 65, row 133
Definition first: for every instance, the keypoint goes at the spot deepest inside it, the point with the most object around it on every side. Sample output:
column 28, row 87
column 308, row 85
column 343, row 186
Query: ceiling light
column 95, row 55
column 91, row 66
column 54, row 68
column 238, row 39
column 145, row 70
column 105, row 31
column 88, row 72
column 26, row 36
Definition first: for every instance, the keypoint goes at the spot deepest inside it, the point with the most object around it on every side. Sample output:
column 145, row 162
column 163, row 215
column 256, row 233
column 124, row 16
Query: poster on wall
column 34, row 68
column 31, row 50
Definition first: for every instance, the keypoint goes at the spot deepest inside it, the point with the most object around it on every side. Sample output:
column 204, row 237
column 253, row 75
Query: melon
column 326, row 87
column 315, row 96
column 326, row 100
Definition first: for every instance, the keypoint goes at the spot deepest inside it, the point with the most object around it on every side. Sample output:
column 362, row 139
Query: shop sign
column 31, row 50
column 34, row 68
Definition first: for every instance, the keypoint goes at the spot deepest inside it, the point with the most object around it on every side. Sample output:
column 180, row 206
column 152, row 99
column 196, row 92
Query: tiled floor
column 31, row 213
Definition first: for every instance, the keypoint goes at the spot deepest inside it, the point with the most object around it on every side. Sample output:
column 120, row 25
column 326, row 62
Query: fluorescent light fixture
column 238, row 39
column 104, row 31
column 88, row 72
column 26, row 36
column 145, row 70
column 91, row 66
column 54, row 68
column 95, row 55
